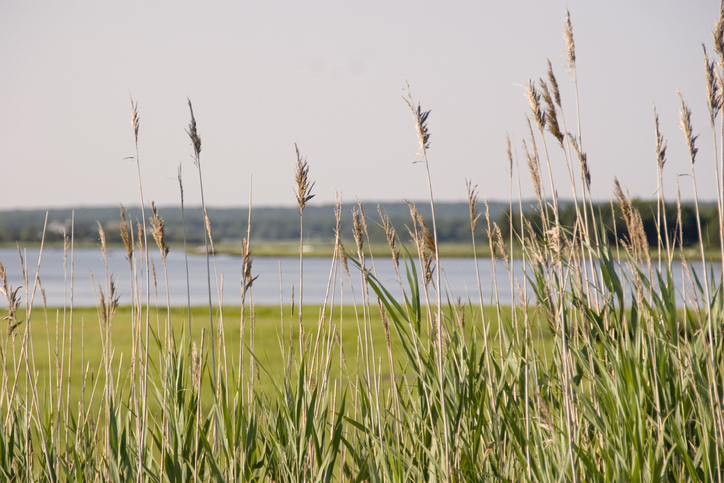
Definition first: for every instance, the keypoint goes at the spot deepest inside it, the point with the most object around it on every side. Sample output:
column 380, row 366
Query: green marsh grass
column 596, row 372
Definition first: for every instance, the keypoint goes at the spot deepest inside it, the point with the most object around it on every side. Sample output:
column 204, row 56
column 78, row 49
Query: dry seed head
column 195, row 368
column 554, row 84
column 428, row 270
column 718, row 35
column 570, row 44
column 555, row 240
column 102, row 307
column 422, row 239
column 158, row 231
column 426, row 235
column 391, row 238
column 301, row 175
column 531, row 93
column 509, row 153
column 638, row 236
column 134, row 119
column 343, row 256
column 139, row 239
column 12, row 298
column 634, row 224
column 623, row 201
column 712, row 88
column 460, row 313
column 363, row 219
column 194, row 135
column 337, row 217
column 180, row 183
column 490, row 228
column 660, row 143
column 102, row 236
column 686, row 126
column 533, row 168
column 155, row 280
column 420, row 116
column 473, row 201
column 357, row 230
column 207, row 221
column 500, row 244
column 583, row 159
column 338, row 233
column 125, row 235
column 550, row 113
column 248, row 280
column 719, row 81
column 385, row 322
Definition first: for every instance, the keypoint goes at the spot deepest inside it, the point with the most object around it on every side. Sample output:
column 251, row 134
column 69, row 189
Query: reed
column 602, row 369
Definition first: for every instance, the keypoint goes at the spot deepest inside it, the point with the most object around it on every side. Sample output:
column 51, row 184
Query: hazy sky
column 330, row 76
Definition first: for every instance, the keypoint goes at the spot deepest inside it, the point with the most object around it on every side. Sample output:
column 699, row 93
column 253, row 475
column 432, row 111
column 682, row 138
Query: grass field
column 53, row 340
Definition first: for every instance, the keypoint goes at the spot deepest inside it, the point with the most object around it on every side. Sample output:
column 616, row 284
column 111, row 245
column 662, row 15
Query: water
column 277, row 278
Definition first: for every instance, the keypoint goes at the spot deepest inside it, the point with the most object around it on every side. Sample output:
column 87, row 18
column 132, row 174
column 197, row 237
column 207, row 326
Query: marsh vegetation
column 595, row 373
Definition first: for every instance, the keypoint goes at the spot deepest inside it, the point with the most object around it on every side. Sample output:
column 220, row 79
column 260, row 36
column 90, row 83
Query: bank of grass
column 595, row 373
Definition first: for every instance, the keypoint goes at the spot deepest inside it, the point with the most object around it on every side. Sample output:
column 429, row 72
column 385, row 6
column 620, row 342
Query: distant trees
column 282, row 224
column 614, row 225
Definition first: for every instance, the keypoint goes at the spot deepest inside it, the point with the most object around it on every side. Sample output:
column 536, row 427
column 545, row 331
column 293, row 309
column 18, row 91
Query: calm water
column 277, row 278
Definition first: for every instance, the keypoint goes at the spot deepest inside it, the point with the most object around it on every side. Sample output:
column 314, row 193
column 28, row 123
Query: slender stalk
column 424, row 141
column 303, row 195
column 144, row 398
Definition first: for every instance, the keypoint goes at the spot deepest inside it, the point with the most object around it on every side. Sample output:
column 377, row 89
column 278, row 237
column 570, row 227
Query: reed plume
column 303, row 195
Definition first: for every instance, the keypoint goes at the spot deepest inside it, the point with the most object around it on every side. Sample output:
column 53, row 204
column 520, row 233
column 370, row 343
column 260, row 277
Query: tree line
column 282, row 223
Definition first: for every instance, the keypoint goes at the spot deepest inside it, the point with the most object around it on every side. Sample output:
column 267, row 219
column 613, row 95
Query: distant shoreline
column 325, row 249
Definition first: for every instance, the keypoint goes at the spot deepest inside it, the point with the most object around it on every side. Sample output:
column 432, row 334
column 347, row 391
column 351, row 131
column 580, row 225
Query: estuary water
column 277, row 278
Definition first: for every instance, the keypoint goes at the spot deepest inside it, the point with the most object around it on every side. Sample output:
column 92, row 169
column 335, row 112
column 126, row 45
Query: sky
column 330, row 77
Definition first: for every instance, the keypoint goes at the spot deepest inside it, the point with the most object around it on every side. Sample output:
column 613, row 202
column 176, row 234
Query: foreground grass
column 54, row 342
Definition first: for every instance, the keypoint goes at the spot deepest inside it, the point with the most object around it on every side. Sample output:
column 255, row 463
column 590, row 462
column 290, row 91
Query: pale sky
column 330, row 76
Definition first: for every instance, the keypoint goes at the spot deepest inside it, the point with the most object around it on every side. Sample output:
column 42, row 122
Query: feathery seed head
column 714, row 95
column 125, row 235
column 158, row 231
column 550, row 113
column 500, row 244
column 13, row 301
column 531, row 93
column 473, row 202
column 248, row 279
column 102, row 236
column 420, row 116
column 660, row 143
column 195, row 368
column 686, row 126
column 207, row 222
column 509, row 153
column 636, row 235
column 194, row 135
column 554, row 84
column 338, row 233
column 181, row 183
column 301, row 175
column 718, row 35
column 583, row 159
column 533, row 169
column 134, row 119
column 357, row 230
column 570, row 44
column 139, row 238
column 391, row 238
